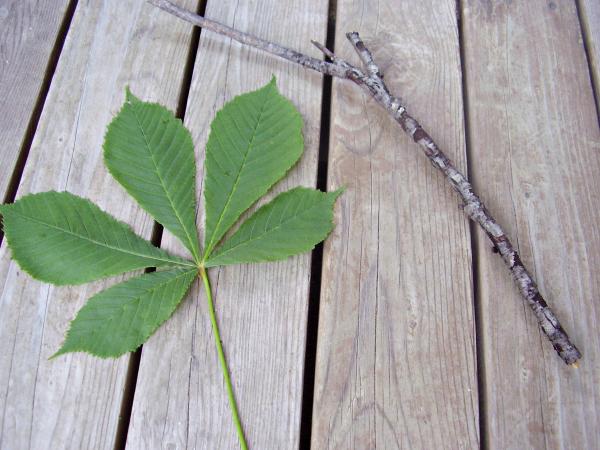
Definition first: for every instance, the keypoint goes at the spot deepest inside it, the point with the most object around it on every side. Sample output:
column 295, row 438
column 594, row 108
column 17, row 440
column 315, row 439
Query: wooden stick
column 372, row 82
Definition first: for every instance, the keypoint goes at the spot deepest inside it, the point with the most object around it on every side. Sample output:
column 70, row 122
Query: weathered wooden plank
column 535, row 140
column 28, row 32
column 180, row 399
column 396, row 345
column 74, row 401
column 590, row 20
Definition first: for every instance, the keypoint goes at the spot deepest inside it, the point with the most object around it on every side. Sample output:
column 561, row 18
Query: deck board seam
column 30, row 130
column 156, row 239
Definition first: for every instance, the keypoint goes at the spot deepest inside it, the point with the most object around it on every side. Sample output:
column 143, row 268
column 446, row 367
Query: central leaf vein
column 211, row 244
column 163, row 185
column 105, row 244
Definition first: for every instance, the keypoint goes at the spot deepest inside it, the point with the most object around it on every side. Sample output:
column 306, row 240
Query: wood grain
column 180, row 399
column 589, row 14
column 535, row 145
column 396, row 344
column 74, row 401
column 28, row 32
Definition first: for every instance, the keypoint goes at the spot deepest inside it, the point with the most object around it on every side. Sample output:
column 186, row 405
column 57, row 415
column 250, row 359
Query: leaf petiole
column 222, row 361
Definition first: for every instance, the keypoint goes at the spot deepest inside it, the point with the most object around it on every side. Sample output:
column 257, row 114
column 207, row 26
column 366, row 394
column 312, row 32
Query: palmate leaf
column 149, row 151
column 121, row 318
column 64, row 239
column 292, row 223
column 253, row 142
column 61, row 238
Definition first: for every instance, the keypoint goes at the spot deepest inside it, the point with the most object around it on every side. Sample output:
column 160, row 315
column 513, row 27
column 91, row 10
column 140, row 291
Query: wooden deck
column 405, row 330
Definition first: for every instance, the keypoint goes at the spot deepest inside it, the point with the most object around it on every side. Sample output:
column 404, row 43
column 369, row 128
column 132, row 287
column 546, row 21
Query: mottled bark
column 371, row 80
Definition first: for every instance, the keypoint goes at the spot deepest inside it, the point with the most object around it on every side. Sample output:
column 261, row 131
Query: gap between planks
column 588, row 19
column 361, row 394
column 15, row 178
column 183, row 419
column 84, row 54
column 157, row 233
column 316, row 266
column 516, row 114
column 475, row 245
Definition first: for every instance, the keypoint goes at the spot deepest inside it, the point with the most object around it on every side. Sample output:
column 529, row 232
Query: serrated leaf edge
column 331, row 195
column 83, row 350
column 176, row 261
column 212, row 244
column 131, row 100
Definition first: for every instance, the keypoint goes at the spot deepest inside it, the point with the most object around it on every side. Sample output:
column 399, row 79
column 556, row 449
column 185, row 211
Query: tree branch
column 372, row 82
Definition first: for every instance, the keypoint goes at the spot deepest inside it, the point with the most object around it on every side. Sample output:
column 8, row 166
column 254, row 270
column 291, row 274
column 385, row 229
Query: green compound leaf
column 61, row 238
column 253, row 142
column 149, row 151
column 121, row 318
column 292, row 223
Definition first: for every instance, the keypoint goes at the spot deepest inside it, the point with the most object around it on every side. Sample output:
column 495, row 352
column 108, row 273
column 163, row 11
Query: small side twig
column 372, row 82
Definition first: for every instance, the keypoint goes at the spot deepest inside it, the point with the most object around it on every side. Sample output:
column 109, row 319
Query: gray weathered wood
column 74, row 401
column 396, row 345
column 180, row 399
column 28, row 31
column 590, row 21
column 535, row 146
